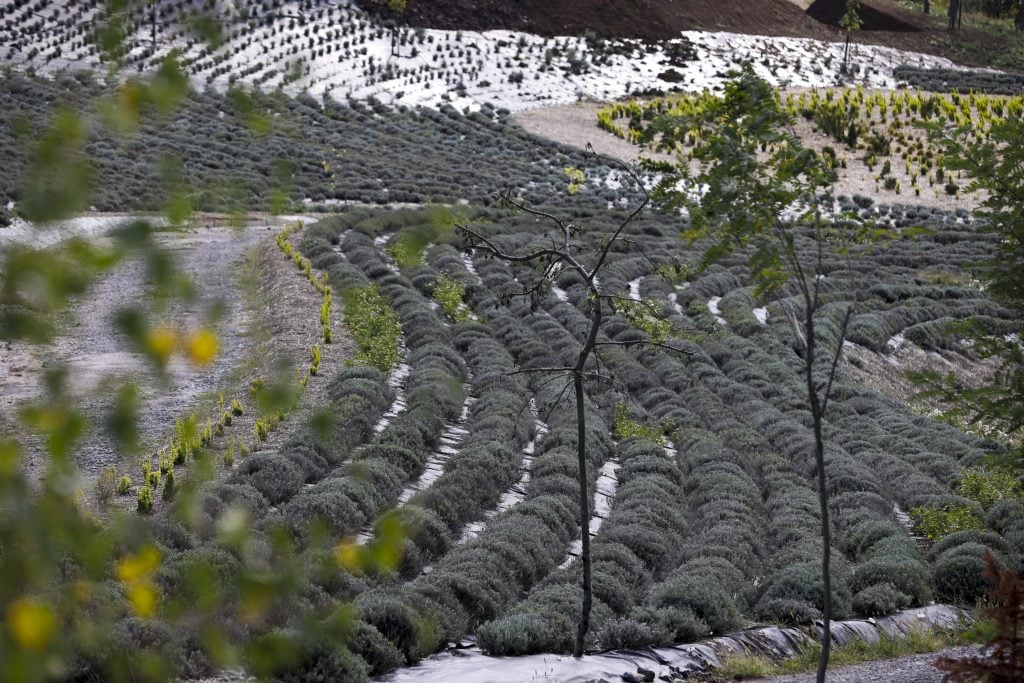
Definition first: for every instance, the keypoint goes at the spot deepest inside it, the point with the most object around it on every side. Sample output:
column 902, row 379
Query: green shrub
column 124, row 486
column 879, row 600
column 987, row 486
column 448, row 293
column 515, row 634
column 169, row 487
column 958, row 578
column 625, row 427
column 375, row 327
column 144, row 499
column 229, row 454
column 787, row 611
column 631, row 634
column 934, row 523
column 315, row 355
column 236, row 408
column 107, row 484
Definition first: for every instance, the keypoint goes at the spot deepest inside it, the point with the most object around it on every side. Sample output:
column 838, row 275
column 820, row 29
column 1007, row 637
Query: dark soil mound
column 872, row 17
column 884, row 22
column 647, row 19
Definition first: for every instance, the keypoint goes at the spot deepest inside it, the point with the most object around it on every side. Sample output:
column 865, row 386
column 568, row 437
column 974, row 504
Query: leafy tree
column 994, row 167
column 761, row 191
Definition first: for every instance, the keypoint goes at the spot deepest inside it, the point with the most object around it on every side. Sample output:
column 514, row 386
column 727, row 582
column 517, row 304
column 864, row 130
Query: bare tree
column 566, row 251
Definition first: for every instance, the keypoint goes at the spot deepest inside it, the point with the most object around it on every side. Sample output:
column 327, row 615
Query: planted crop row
column 712, row 535
column 947, row 80
column 213, row 136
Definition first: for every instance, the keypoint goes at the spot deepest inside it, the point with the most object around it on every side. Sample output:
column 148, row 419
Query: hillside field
column 270, row 405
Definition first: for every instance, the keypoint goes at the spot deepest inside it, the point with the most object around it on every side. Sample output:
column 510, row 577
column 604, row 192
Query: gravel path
column 912, row 669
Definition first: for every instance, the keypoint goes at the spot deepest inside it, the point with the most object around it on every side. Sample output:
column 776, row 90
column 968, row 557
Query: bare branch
column 558, row 399
column 526, row 371
column 644, row 342
column 835, row 357
column 487, row 246
column 629, row 219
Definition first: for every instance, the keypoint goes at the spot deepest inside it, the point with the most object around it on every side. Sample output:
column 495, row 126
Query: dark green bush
column 958, row 578
column 803, row 582
column 631, row 634
column 275, row 478
column 787, row 611
column 516, row 634
column 300, row 660
column 707, row 600
column 879, row 600
column 909, row 576
column 380, row 655
column 397, row 622
column 680, row 623
column 953, row 540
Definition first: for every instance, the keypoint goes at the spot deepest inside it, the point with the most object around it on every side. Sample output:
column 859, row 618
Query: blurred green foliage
column 98, row 592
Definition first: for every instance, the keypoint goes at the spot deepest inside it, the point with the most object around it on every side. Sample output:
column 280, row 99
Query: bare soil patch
column 275, row 324
column 886, row 23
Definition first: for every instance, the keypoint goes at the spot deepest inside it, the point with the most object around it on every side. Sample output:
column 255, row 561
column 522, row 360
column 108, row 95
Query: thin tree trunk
column 1018, row 21
column 846, row 53
column 826, row 531
column 927, row 7
column 581, row 453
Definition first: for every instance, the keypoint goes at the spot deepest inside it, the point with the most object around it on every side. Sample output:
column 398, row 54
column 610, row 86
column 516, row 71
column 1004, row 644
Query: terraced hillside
column 708, row 523
column 267, row 408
